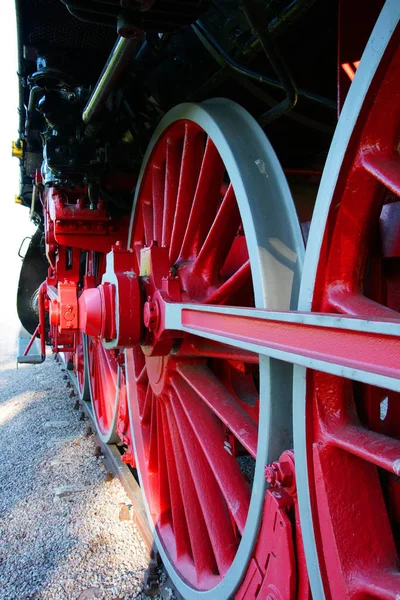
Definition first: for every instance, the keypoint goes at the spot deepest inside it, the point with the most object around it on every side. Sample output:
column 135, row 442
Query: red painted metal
column 278, row 568
column 34, row 335
column 97, row 311
column 272, row 571
column 345, row 347
column 354, row 503
column 77, row 225
column 113, row 310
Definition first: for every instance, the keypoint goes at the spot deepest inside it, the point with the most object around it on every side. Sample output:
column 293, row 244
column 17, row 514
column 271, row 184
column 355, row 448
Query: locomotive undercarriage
column 206, row 320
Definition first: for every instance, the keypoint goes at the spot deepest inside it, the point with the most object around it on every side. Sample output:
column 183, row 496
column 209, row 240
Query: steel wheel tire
column 81, row 367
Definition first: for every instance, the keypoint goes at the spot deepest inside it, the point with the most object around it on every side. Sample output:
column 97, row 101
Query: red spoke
column 196, row 347
column 376, row 448
column 356, row 304
column 147, row 213
column 142, row 377
column 182, row 541
column 211, row 438
column 158, row 181
column 163, row 483
column 203, row 554
column 214, row 394
column 145, row 394
column 172, row 171
column 153, row 432
column 386, row 169
column 193, row 151
column 208, row 193
column 216, row 516
column 231, row 286
column 220, row 238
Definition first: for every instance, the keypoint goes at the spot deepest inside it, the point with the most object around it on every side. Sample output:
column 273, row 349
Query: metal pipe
column 34, row 94
column 253, row 15
column 285, row 77
column 115, row 65
column 33, row 338
column 42, row 322
column 223, row 57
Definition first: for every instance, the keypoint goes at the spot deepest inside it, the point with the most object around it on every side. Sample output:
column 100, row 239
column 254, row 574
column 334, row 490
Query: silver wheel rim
column 83, row 390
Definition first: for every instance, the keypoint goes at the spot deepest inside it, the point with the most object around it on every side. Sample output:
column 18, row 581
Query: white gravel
column 57, row 545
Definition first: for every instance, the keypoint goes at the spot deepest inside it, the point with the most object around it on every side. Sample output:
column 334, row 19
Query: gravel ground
column 55, row 544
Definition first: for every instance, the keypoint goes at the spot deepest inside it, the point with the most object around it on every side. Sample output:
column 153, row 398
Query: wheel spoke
column 216, row 516
column 163, row 483
column 158, row 182
column 220, row 238
column 203, row 554
column 386, row 169
column 145, row 398
column 211, row 438
column 213, row 393
column 208, row 193
column 104, row 378
column 172, row 171
column 357, row 304
column 227, row 291
column 193, row 151
column 152, row 461
column 196, row 347
column 147, row 213
column 142, row 377
column 376, row 448
column 180, row 527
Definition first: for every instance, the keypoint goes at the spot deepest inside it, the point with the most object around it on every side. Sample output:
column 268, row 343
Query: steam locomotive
column 215, row 186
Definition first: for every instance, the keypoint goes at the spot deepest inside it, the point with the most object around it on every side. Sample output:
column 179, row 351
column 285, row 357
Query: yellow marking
column 17, row 149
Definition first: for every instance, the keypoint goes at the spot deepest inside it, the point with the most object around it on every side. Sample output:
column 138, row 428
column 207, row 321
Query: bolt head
column 270, row 474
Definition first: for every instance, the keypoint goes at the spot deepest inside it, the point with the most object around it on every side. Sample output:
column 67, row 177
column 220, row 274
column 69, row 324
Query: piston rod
column 113, row 69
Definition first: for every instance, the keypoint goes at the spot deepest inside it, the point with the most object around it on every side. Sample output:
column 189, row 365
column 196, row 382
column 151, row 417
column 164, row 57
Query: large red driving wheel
column 347, row 433
column 213, row 222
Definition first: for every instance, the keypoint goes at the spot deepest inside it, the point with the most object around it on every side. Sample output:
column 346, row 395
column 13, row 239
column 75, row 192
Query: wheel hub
column 157, row 371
